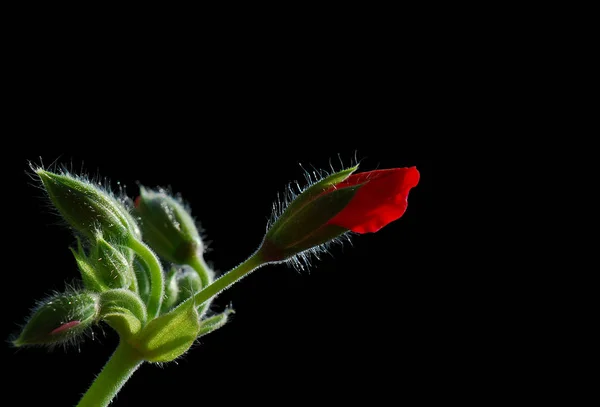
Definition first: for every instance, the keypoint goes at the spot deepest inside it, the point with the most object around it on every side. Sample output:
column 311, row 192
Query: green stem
column 157, row 280
column 198, row 264
column 113, row 376
column 229, row 278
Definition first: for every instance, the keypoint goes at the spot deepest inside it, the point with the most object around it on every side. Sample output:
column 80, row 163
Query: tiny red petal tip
column 65, row 327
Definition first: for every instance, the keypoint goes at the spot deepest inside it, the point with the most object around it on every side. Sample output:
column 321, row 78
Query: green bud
column 180, row 285
column 167, row 226
column 188, row 282
column 105, row 267
column 88, row 208
column 303, row 224
column 60, row 319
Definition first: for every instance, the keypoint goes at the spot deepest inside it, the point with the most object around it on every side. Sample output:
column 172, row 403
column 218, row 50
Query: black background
column 380, row 317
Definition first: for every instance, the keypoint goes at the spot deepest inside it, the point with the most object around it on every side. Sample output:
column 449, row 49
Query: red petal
column 382, row 199
column 65, row 327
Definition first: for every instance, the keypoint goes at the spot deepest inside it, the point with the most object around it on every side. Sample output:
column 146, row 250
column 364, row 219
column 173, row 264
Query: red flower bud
column 339, row 203
column 382, row 199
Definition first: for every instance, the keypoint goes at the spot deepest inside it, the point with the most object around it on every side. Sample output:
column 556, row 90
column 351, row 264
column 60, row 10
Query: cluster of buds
column 123, row 250
column 121, row 254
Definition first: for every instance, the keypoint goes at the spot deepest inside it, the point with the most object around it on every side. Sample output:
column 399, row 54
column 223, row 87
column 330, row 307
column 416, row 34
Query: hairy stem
column 157, row 281
column 229, row 278
column 119, row 368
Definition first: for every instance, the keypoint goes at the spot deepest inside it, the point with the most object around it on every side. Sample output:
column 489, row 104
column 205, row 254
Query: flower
column 339, row 203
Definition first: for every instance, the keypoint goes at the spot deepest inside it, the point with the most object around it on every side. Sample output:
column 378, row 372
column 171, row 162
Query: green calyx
column 303, row 224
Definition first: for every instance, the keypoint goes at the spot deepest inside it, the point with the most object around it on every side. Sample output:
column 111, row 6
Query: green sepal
column 169, row 336
column 112, row 263
column 213, row 323
column 307, row 227
column 308, row 195
column 90, row 277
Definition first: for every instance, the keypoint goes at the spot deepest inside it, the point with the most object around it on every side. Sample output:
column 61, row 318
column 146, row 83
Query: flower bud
column 180, row 285
column 167, row 227
column 340, row 202
column 60, row 319
column 86, row 207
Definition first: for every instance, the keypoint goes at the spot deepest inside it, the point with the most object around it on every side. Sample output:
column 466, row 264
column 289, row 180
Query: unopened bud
column 180, row 285
column 60, row 319
column 88, row 208
column 167, row 226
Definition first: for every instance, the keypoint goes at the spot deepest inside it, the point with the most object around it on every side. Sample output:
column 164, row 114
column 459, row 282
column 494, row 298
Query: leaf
column 168, row 336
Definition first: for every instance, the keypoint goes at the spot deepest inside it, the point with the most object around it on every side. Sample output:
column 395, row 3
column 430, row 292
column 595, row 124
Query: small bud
column 60, row 319
column 180, row 285
column 188, row 282
column 105, row 267
column 167, row 227
column 88, row 208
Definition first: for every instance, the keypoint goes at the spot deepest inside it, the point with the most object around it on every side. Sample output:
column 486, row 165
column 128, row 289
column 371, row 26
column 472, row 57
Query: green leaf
column 168, row 336
column 213, row 323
